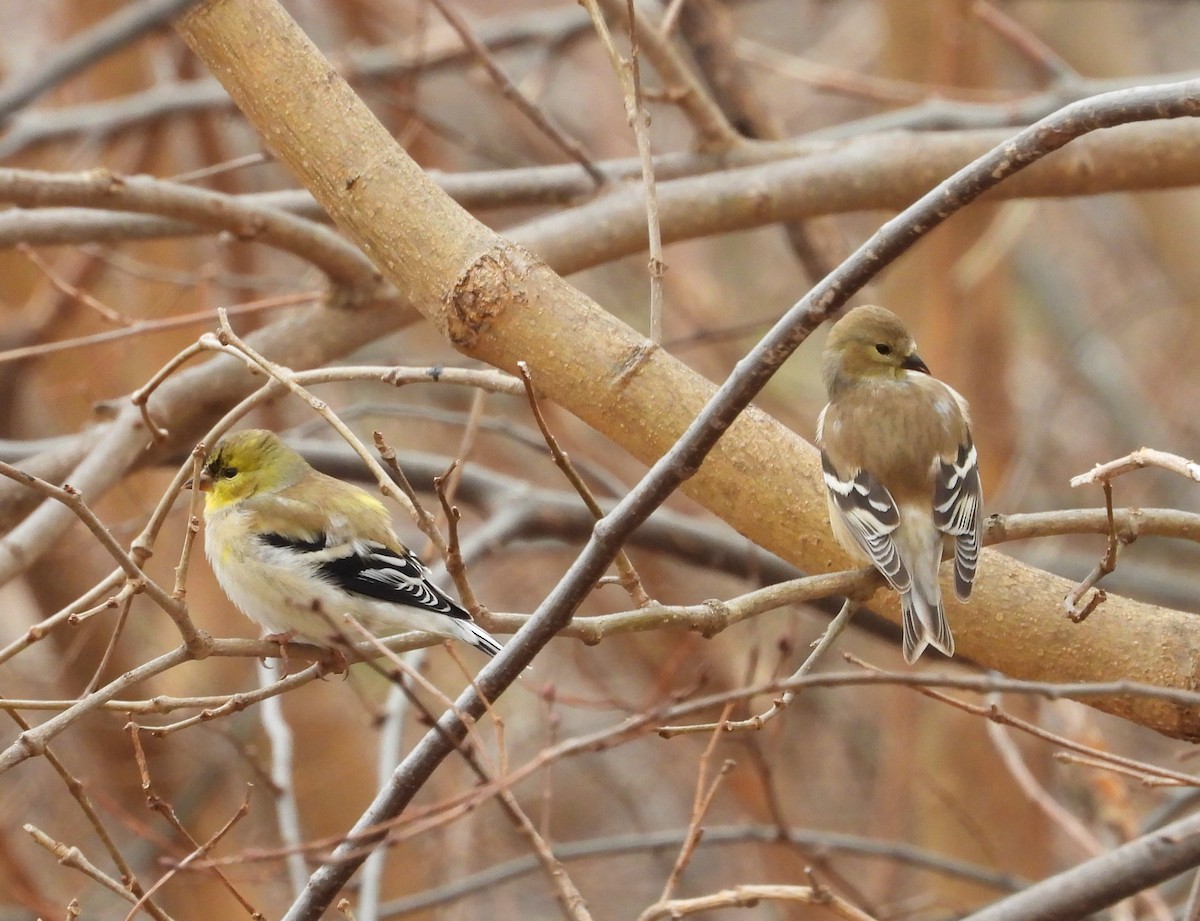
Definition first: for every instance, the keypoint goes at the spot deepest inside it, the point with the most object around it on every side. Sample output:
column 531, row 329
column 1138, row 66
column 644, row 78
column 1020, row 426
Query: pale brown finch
column 900, row 468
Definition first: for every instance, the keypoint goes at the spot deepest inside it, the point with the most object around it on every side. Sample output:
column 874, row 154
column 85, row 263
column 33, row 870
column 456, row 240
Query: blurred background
column 1069, row 324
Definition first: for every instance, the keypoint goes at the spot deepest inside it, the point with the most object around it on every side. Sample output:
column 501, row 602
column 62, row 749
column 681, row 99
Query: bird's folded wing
column 957, row 511
column 373, row 570
column 870, row 515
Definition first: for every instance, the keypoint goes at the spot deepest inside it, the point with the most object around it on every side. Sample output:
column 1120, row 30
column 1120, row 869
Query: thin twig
column 446, row 487
column 227, row 337
column 1107, row 564
column 141, row 397
column 570, row 899
column 150, row 327
column 657, row 263
column 73, row 292
column 129, row 887
column 424, row 520
column 1107, row 764
column 193, row 637
column 214, row 708
column 506, row 428
column 635, row 727
column 743, row 385
column 540, row 118
column 714, row 836
column 1037, row 794
column 82, row 607
column 279, row 736
column 199, row 455
column 33, row 742
column 701, row 802
column 1142, row 457
column 110, row 648
column 83, row 49
column 1053, row 65
column 630, row 580
column 199, row 850
column 74, row 858
column 455, row 566
column 751, row 896
column 630, row 77
column 466, row 444
column 682, row 88
column 996, row 715
column 780, row 703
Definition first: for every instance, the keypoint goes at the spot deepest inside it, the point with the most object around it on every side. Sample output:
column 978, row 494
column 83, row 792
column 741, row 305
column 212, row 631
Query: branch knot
column 493, row 282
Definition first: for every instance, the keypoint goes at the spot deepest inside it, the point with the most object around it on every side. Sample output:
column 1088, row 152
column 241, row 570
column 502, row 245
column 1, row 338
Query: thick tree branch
column 753, row 185
column 495, row 303
column 1104, row 880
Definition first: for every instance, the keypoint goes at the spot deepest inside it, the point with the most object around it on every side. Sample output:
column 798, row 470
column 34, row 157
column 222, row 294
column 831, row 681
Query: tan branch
column 146, row 195
column 495, row 302
column 751, row 896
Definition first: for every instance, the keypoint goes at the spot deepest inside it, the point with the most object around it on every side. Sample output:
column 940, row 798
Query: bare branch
column 80, row 51
column 1143, row 457
column 751, row 895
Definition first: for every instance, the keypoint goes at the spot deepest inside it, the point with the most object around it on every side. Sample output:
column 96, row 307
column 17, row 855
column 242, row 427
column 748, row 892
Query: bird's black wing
column 869, row 513
column 372, row 570
column 958, row 511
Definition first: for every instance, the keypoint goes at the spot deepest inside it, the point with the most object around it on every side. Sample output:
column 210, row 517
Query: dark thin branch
column 538, row 116
column 1103, row 881
column 312, row 242
column 362, row 67
column 85, row 49
column 1077, row 609
column 682, row 461
column 755, row 185
column 670, row 839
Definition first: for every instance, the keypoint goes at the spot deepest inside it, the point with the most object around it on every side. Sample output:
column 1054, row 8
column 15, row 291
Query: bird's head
column 868, row 343
column 247, row 464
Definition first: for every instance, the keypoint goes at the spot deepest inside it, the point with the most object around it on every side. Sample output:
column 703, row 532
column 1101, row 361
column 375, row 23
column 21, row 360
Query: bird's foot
column 332, row 662
column 282, row 639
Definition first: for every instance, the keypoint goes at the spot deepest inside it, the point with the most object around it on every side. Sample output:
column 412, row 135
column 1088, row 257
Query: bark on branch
column 500, row 305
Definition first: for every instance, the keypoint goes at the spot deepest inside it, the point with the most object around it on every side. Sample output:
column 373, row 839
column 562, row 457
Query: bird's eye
column 883, row 348
column 229, row 472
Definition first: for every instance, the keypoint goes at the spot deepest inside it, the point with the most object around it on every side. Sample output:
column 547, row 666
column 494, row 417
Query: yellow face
column 247, row 464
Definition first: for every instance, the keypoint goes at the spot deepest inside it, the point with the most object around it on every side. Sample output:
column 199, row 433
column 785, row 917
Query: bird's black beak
column 914, row 362
column 204, row 484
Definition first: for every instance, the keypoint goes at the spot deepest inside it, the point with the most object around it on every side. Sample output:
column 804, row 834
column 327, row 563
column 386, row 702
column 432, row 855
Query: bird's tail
column 470, row 632
column 924, row 621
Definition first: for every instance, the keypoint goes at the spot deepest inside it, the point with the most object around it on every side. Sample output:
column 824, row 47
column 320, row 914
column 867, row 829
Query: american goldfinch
column 900, row 469
column 296, row 550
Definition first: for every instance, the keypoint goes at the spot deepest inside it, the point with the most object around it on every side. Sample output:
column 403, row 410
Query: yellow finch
column 900, row 469
column 296, row 550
